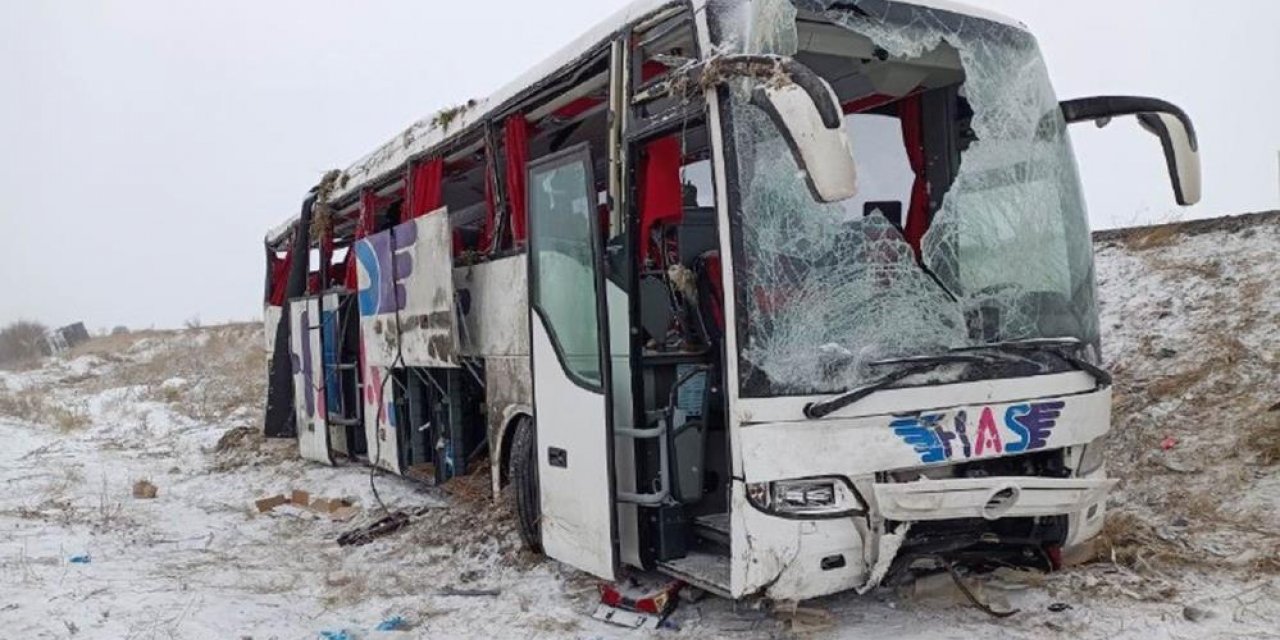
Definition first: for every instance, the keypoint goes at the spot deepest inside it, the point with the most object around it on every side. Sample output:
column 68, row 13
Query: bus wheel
column 524, row 482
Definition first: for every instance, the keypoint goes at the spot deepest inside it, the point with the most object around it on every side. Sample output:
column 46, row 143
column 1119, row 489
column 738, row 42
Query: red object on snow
column 1168, row 443
column 659, row 604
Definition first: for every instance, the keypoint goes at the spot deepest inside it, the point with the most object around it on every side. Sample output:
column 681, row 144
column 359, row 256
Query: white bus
column 781, row 298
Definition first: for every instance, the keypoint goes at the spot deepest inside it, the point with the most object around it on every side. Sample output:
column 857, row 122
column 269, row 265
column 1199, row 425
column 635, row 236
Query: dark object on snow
column 1196, row 614
column 982, row 606
column 383, row 526
column 62, row 339
column 1059, row 607
column 450, row 591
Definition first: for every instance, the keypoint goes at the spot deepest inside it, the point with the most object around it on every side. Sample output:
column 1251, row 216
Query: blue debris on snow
column 335, row 635
column 80, row 559
column 394, row 623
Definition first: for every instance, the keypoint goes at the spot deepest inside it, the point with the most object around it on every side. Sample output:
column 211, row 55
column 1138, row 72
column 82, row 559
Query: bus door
column 570, row 363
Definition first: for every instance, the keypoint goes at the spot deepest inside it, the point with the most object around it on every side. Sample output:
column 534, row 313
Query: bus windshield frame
column 995, row 247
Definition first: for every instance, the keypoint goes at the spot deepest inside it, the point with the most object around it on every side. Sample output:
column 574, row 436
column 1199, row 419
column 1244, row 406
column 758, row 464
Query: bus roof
column 433, row 130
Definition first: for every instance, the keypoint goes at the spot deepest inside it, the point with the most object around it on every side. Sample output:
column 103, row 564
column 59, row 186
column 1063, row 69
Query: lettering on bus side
column 964, row 435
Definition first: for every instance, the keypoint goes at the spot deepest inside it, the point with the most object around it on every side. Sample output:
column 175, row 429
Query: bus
column 781, row 298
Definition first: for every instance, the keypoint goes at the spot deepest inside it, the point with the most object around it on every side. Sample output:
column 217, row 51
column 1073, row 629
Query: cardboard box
column 266, row 504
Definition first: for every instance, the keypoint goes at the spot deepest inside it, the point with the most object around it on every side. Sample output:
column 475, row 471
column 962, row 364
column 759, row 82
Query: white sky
column 148, row 144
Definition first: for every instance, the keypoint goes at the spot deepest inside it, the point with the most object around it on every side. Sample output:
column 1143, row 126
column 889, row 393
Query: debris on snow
column 145, row 490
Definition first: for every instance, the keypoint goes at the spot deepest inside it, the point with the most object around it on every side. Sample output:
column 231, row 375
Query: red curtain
column 365, row 225
column 913, row 137
column 661, row 195
column 279, row 277
column 490, row 207
column 426, row 188
column 517, row 143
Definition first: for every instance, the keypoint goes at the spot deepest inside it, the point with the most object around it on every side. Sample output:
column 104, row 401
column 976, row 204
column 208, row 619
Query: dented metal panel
column 380, row 417
column 270, row 324
column 508, row 393
column 305, row 351
column 428, row 335
column 406, row 294
column 494, row 300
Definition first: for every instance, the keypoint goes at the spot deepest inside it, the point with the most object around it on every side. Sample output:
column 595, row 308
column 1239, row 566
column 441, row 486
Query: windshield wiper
column 977, row 354
column 815, row 410
column 1053, row 346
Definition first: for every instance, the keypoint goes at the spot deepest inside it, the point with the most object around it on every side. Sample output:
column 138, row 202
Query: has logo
column 1026, row 427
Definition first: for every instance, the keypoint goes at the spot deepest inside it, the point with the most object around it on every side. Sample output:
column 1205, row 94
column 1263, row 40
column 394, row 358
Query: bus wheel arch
column 511, row 416
column 525, row 496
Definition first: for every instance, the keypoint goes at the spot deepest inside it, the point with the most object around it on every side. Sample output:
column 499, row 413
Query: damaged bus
column 781, row 298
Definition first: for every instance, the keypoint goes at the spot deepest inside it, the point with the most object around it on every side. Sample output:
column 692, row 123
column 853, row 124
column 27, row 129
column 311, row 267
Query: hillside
column 1189, row 318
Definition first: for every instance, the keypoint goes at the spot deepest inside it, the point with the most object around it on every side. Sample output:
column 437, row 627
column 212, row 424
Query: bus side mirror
column 807, row 113
column 1164, row 120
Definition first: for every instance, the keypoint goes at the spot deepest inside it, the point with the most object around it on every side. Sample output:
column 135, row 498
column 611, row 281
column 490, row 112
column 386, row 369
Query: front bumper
column 988, row 498
column 790, row 559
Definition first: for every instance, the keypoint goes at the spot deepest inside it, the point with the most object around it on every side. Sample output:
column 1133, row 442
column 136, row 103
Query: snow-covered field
column 1189, row 325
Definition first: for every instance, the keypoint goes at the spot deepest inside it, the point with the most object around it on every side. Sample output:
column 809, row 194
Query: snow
column 198, row 561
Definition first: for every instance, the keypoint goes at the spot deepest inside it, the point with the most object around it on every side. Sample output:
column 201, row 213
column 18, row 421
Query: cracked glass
column 824, row 290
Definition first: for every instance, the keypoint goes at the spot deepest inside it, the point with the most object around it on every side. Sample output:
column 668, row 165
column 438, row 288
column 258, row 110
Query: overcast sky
column 148, row 144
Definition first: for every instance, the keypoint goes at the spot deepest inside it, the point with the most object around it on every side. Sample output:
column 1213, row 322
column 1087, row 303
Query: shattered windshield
column 969, row 227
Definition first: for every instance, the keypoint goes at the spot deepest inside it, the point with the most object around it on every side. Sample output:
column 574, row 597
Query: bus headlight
column 1091, row 458
column 825, row 497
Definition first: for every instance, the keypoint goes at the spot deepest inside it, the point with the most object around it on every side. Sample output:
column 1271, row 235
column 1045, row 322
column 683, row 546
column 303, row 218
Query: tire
column 524, row 484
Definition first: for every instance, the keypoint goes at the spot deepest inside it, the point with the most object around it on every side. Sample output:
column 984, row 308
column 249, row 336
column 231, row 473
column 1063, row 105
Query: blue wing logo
column 919, row 432
column 1033, row 423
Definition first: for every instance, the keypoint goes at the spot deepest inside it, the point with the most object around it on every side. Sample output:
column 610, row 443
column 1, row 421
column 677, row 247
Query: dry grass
column 1263, row 436
column 208, row 374
column 1228, row 351
column 1155, row 237
column 36, row 407
column 1130, row 541
column 1207, row 269
column 475, row 488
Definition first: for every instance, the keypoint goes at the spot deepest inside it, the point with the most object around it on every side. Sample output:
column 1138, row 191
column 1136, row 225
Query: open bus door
column 574, row 447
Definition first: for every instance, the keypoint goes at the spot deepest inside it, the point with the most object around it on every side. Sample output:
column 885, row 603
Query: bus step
column 713, row 528
column 706, row 571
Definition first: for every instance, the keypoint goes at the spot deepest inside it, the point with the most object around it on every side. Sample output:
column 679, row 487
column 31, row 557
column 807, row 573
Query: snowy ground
column 1189, row 324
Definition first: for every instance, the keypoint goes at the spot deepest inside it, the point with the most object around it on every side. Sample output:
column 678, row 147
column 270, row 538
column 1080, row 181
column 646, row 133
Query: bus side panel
column 380, row 418
column 308, row 379
column 270, row 324
column 507, row 393
column 379, row 343
column 494, row 298
column 424, row 273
